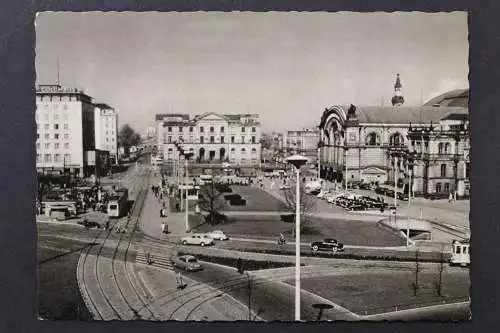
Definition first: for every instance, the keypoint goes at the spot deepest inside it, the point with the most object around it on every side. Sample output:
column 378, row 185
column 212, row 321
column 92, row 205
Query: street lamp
column 410, row 158
column 297, row 161
column 187, row 156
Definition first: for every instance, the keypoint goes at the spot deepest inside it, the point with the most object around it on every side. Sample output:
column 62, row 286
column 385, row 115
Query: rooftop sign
column 56, row 89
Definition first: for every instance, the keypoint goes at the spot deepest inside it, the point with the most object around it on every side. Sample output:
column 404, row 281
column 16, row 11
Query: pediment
column 373, row 171
column 211, row 116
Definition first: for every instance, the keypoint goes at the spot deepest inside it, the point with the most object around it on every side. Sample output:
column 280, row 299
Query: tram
column 460, row 253
column 118, row 203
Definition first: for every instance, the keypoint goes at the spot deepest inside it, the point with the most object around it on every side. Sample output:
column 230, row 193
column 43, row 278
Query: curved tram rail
column 105, row 304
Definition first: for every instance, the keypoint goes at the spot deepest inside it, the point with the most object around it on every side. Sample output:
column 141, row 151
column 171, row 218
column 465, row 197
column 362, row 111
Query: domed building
column 377, row 144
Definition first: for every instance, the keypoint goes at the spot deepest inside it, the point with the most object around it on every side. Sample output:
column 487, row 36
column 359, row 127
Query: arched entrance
column 211, row 155
column 201, row 156
column 222, row 154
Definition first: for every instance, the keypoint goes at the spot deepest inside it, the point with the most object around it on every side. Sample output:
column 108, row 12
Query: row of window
column 444, row 148
column 439, row 188
column 56, row 158
column 243, row 150
column 373, row 139
column 56, row 126
column 211, row 129
column 56, row 145
column 211, row 139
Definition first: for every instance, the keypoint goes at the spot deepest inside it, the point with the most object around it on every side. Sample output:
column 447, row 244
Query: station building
column 377, row 144
column 210, row 137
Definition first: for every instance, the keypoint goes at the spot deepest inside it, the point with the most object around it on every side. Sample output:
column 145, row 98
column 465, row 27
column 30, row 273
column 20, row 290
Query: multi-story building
column 372, row 144
column 106, row 130
column 65, row 143
column 303, row 142
column 211, row 137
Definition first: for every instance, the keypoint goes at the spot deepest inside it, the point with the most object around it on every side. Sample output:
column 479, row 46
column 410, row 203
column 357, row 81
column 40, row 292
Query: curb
column 83, row 291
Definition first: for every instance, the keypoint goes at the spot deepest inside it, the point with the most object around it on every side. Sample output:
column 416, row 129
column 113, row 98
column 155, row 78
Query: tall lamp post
column 297, row 161
column 187, row 156
column 409, row 161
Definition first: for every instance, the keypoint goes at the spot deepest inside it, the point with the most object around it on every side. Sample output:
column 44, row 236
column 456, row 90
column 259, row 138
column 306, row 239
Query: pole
column 319, row 163
column 345, row 162
column 180, row 179
column 409, row 200
column 297, row 246
column 187, row 200
column 395, row 187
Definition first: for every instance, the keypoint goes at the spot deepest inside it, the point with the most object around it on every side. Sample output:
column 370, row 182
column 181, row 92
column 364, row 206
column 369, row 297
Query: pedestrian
column 177, row 207
column 450, row 198
column 163, row 230
column 161, row 212
column 180, row 282
column 454, row 196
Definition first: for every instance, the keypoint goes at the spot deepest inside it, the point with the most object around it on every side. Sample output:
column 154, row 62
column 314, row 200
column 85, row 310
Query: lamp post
column 410, row 168
column 297, row 161
column 187, row 156
column 345, row 162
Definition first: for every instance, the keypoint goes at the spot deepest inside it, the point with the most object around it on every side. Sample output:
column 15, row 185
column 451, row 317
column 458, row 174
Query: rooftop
column 454, row 98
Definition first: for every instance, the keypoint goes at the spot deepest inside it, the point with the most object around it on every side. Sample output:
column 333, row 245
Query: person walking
column 450, row 198
column 163, row 228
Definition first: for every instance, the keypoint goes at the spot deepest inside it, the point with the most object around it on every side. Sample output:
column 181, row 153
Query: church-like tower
column 397, row 99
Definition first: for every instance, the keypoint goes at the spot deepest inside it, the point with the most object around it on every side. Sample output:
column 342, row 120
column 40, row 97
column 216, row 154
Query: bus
column 460, row 253
column 206, row 179
column 117, row 204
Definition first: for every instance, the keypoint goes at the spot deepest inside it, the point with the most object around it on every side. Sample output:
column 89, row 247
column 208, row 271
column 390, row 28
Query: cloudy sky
column 285, row 66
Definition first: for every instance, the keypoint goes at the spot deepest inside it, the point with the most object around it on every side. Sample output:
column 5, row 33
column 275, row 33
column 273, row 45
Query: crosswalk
column 158, row 261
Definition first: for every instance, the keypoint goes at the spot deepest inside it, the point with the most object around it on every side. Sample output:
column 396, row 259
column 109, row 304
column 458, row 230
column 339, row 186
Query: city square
column 320, row 201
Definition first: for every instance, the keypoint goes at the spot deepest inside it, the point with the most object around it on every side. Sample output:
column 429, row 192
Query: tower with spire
column 397, row 99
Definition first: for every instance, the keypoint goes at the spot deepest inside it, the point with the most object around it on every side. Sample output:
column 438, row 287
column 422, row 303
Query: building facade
column 303, row 142
column 210, row 137
column 378, row 145
column 106, row 130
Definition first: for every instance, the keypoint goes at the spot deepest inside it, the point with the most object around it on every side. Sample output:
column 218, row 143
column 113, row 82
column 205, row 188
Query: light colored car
column 186, row 262
column 197, row 239
column 284, row 187
column 217, row 235
column 322, row 194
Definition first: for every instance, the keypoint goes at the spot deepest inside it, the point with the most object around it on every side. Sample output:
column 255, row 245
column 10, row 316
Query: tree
column 414, row 285
column 307, row 205
column 210, row 201
column 438, row 284
column 127, row 137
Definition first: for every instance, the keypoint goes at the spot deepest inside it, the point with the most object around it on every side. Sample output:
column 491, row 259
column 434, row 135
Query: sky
column 285, row 66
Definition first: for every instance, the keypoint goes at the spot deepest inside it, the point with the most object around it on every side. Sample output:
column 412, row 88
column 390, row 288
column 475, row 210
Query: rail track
column 109, row 299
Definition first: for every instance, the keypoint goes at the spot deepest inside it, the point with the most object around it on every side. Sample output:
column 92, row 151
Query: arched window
column 396, row 140
column 443, row 170
column 232, row 150
column 254, row 150
column 440, row 148
column 243, row 150
column 447, row 148
column 372, row 139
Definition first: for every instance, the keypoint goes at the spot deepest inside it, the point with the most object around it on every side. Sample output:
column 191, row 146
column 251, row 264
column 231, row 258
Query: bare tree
column 439, row 281
column 210, row 201
column 414, row 284
column 307, row 205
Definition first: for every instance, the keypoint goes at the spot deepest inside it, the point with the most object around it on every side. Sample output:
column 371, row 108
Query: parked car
column 322, row 194
column 284, row 187
column 197, row 239
column 328, row 244
column 186, row 262
column 217, row 235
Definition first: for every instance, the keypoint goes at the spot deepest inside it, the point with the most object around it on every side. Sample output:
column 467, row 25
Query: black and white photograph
column 252, row 166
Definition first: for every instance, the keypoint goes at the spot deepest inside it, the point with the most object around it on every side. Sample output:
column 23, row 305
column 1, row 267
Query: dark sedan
column 328, row 244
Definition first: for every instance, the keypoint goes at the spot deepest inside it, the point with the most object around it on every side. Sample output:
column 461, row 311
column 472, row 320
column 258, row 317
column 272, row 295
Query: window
column 202, row 139
column 56, row 117
column 37, row 126
column 202, row 129
column 38, row 146
column 253, row 139
column 47, row 136
column 56, row 145
column 56, row 136
column 211, row 129
column 243, row 130
column 447, row 148
column 38, row 158
column 190, row 129
column 46, row 126
column 169, row 139
column 243, row 150
column 232, row 150
column 438, row 188
column 440, row 148
column 66, row 136
column 46, row 117
column 47, row 158
column 181, row 139
column 57, row 158
column 180, row 128
column 222, row 129
column 67, row 158
column 107, row 139
column 396, row 140
column 169, row 150
column 254, row 150
column 372, row 139
column 221, row 139
column 56, row 126
column 37, row 136
column 242, row 139
column 458, row 249
column 65, row 126
column 443, row 170
column 447, row 187
column 253, row 129
column 232, row 139
column 169, row 129
column 66, row 145
column 212, row 140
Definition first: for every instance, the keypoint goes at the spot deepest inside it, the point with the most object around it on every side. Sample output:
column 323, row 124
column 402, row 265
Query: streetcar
column 117, row 204
column 460, row 253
